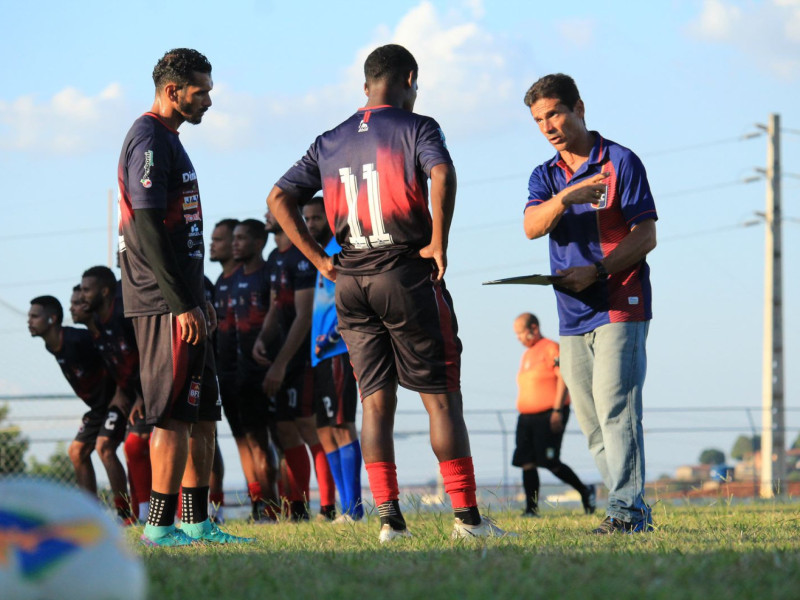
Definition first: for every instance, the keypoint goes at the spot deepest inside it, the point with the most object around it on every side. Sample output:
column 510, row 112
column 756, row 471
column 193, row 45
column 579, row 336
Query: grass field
column 721, row 550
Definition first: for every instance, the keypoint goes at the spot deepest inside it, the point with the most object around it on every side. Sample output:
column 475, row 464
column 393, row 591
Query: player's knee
column 78, row 452
column 106, row 448
column 528, row 466
column 554, row 466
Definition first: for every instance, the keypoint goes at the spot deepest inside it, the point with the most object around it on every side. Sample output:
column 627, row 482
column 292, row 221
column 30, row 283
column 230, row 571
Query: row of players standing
column 285, row 377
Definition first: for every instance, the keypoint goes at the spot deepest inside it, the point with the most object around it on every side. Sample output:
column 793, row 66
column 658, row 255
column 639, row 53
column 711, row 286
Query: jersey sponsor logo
column 196, row 254
column 187, row 177
column 363, row 127
column 303, row 265
column 194, row 392
column 193, row 243
column 190, row 202
column 194, row 230
column 191, row 217
column 148, row 163
column 602, row 202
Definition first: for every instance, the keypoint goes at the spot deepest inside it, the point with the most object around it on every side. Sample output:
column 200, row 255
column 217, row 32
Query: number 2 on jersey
column 379, row 236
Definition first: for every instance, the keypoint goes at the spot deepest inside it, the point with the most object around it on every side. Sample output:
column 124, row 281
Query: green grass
column 717, row 551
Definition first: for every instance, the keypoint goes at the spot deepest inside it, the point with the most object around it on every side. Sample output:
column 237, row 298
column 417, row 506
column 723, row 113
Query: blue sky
column 679, row 82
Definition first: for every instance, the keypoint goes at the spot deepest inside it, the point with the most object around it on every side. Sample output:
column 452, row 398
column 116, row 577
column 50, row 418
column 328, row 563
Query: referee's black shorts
column 400, row 326
column 536, row 441
column 179, row 380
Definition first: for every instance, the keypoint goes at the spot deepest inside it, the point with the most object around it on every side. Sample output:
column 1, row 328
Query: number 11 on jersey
column 379, row 236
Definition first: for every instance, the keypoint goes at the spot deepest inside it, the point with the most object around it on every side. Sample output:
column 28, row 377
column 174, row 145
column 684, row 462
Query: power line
column 722, row 142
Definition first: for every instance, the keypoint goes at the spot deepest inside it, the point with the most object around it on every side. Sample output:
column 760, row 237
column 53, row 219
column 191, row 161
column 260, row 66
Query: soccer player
column 594, row 201
column 114, row 338
column 335, row 389
column 161, row 257
column 543, row 404
column 249, row 414
column 216, row 493
column 103, row 426
column 289, row 377
column 395, row 313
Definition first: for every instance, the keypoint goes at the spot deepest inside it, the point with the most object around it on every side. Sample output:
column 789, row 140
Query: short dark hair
column 559, row 86
column 229, row 223
column 391, row 62
column 179, row 66
column 315, row 201
column 76, row 288
column 51, row 306
column 255, row 228
column 104, row 276
column 530, row 319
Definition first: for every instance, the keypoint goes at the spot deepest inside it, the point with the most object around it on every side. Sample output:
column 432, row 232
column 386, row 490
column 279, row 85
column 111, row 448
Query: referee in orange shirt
column 543, row 404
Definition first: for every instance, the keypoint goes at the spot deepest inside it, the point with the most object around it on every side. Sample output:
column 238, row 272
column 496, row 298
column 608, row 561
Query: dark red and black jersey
column 373, row 170
column 289, row 272
column 116, row 342
column 84, row 369
column 224, row 302
column 155, row 173
column 251, row 303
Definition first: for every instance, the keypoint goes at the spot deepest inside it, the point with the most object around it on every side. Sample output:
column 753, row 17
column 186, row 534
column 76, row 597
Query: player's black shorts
column 253, row 407
column 108, row 423
column 295, row 399
column 230, row 402
column 400, row 326
column 536, row 442
column 335, row 391
column 125, row 400
column 179, row 380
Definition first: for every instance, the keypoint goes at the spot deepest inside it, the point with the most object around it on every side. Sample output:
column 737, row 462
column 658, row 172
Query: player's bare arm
column 297, row 334
column 269, row 329
column 285, row 208
column 557, row 417
column 540, row 220
column 443, row 202
column 632, row 249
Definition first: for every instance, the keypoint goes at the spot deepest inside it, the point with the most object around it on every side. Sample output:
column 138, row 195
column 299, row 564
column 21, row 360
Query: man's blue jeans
column 604, row 371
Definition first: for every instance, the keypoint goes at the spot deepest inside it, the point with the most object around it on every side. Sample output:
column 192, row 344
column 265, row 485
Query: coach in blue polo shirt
column 594, row 200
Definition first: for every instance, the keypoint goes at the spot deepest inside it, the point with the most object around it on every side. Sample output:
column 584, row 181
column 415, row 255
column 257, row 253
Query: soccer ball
column 59, row 542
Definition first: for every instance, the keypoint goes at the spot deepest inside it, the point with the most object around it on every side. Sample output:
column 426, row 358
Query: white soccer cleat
column 343, row 519
column 487, row 528
column 388, row 535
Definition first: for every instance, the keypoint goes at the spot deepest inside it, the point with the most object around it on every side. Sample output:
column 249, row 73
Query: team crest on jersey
column 363, row 127
column 303, row 265
column 194, row 392
column 148, row 163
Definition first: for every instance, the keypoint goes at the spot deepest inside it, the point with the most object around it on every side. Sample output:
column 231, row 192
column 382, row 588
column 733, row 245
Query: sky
column 682, row 83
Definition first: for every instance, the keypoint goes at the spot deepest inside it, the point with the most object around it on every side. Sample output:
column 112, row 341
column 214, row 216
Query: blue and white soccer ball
column 58, row 542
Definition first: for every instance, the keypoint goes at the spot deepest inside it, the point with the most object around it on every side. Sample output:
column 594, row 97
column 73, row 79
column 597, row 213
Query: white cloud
column 768, row 32
column 465, row 75
column 68, row 123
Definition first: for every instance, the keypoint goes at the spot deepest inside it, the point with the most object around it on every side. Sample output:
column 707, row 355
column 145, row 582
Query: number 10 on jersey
column 379, row 236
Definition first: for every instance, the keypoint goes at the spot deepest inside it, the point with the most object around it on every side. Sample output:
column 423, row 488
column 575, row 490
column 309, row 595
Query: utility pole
column 772, row 434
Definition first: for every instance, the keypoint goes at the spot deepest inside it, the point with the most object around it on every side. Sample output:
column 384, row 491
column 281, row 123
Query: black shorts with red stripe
column 335, row 391
column 295, row 399
column 179, row 380
column 400, row 326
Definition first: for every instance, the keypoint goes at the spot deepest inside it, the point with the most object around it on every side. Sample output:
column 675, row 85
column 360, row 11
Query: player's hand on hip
column 439, row 258
column 577, row 279
column 556, row 421
column 273, row 380
column 327, row 269
column 211, row 316
column 590, row 190
column 193, row 326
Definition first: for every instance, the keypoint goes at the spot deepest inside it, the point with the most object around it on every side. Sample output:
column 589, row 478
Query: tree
column 712, row 456
column 13, row 445
column 796, row 443
column 745, row 446
column 58, row 466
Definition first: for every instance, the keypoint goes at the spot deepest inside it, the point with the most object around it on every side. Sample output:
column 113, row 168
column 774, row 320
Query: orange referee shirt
column 538, row 378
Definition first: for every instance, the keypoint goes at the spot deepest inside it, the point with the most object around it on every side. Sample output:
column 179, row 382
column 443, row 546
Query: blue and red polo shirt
column 587, row 233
